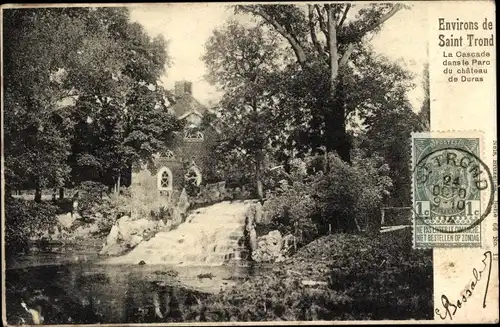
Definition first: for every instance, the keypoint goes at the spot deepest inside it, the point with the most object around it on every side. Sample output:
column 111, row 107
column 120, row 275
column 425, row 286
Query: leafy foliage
column 81, row 94
column 24, row 220
column 350, row 196
column 36, row 132
column 242, row 62
column 324, row 62
column 309, row 205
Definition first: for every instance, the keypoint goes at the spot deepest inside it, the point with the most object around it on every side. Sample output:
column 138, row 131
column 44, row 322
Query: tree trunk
column 38, row 195
column 260, row 189
column 61, row 193
column 337, row 134
column 332, row 46
column 337, row 138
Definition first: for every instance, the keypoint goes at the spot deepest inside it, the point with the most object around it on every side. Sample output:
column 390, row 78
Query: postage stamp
column 452, row 190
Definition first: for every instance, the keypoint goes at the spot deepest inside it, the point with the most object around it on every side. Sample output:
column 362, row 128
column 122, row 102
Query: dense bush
column 25, row 219
column 291, row 209
column 347, row 198
column 350, row 196
column 90, row 195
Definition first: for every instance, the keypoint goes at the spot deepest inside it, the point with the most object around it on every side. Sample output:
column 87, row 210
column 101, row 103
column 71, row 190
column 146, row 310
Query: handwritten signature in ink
column 451, row 308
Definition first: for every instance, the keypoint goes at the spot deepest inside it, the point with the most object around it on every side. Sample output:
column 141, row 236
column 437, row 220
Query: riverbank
column 337, row 277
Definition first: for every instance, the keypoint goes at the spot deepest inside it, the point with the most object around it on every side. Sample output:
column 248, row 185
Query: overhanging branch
column 380, row 21
column 367, row 29
column 322, row 23
column 314, row 38
column 344, row 16
column 296, row 46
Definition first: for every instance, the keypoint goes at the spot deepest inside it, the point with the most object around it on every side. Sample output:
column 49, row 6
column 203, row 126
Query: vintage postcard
column 249, row 163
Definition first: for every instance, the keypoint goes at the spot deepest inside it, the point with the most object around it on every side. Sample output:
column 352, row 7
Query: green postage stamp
column 452, row 189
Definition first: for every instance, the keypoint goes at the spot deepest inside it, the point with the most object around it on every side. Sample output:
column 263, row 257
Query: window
column 164, row 179
column 192, row 135
column 169, row 155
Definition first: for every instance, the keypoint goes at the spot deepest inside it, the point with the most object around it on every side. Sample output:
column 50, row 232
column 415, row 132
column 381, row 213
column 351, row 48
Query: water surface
column 80, row 289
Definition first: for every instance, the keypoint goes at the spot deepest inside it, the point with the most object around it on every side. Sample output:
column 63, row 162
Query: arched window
column 164, row 179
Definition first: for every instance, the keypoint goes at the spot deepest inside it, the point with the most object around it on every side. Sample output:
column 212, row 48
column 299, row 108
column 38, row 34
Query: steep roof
column 185, row 104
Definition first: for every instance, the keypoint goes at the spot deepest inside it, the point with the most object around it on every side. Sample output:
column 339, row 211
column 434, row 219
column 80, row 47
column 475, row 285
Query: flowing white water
column 208, row 237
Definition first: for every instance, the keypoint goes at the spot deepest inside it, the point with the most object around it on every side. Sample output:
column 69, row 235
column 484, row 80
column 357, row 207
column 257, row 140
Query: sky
column 187, row 27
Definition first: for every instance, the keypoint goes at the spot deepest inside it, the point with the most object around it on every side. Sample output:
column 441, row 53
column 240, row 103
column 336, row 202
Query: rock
column 84, row 231
column 252, row 235
column 259, row 213
column 168, row 225
column 237, row 193
column 134, row 240
column 142, row 263
column 268, row 247
column 113, row 235
column 275, row 240
column 288, row 243
column 127, row 233
column 66, row 221
column 208, row 275
column 214, row 195
column 177, row 216
column 111, row 246
column 183, row 203
column 280, row 258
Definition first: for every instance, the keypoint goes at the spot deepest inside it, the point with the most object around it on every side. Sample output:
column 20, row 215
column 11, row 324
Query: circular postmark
column 451, row 179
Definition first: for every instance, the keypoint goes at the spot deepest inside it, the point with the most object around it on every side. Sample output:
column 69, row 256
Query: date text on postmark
column 452, row 191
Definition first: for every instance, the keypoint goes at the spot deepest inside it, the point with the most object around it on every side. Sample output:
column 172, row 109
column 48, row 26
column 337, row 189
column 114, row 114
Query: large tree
column 80, row 91
column 324, row 37
column 121, row 111
column 243, row 63
column 37, row 134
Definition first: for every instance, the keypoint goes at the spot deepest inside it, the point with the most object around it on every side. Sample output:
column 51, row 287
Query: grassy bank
column 357, row 277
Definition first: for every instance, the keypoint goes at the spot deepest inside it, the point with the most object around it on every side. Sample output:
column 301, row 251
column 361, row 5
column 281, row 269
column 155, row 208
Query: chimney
column 182, row 87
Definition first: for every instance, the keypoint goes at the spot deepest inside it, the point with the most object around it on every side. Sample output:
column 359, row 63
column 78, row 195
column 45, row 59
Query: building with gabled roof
column 189, row 158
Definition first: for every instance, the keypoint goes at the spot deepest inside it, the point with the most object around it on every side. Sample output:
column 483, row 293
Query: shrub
column 25, row 219
column 308, row 203
column 108, row 210
column 349, row 196
column 291, row 209
column 90, row 196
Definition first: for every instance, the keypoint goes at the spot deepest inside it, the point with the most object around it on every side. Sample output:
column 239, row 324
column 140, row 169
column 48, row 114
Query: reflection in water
column 89, row 293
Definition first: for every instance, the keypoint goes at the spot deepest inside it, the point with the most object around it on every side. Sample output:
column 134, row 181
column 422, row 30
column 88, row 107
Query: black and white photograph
column 213, row 162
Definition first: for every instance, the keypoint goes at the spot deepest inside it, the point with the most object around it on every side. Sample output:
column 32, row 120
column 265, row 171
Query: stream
column 157, row 281
column 85, row 291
